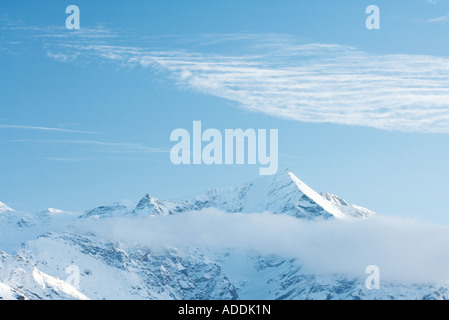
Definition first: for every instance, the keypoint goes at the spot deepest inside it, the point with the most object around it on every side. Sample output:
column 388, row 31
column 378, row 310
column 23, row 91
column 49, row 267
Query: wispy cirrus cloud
column 286, row 77
column 84, row 159
column 24, row 30
column 106, row 147
column 38, row 128
column 117, row 146
column 308, row 82
column 439, row 19
column 93, row 150
column 20, row 37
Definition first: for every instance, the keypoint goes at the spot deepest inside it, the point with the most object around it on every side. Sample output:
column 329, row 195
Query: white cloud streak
column 282, row 76
column 439, row 19
column 82, row 159
column 311, row 82
column 24, row 127
column 103, row 146
column 115, row 146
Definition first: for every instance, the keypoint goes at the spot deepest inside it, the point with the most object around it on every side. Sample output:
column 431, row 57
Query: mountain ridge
column 46, row 243
column 281, row 194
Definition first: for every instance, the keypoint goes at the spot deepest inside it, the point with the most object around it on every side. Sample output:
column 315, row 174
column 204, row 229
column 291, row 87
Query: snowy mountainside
column 350, row 210
column 43, row 245
column 281, row 194
column 21, row 280
column 4, row 208
column 18, row 227
column 278, row 278
column 189, row 273
column 112, row 271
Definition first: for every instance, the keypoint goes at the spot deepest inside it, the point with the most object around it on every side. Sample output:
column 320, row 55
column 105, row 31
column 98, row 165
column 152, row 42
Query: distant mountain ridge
column 281, row 194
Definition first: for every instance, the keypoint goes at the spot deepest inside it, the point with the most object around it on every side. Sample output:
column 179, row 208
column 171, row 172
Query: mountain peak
column 284, row 194
column 146, row 202
column 52, row 211
column 280, row 194
column 5, row 208
column 316, row 197
column 149, row 206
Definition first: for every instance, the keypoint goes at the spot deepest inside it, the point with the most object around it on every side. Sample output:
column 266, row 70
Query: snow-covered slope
column 18, row 227
column 111, row 270
column 350, row 210
column 281, row 194
column 4, row 208
column 10, row 218
column 43, row 245
column 278, row 278
column 189, row 273
column 21, row 280
column 114, row 210
column 8, row 293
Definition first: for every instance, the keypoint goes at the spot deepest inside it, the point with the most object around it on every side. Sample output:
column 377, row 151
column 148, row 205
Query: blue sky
column 86, row 115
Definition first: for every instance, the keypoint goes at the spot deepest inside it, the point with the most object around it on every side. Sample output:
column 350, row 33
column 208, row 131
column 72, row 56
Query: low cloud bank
column 404, row 250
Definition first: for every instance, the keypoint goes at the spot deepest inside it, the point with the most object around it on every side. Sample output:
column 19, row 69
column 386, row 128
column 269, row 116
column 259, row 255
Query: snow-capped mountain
column 43, row 245
column 25, row 220
column 281, row 194
column 21, row 280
